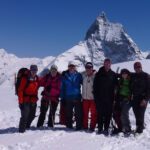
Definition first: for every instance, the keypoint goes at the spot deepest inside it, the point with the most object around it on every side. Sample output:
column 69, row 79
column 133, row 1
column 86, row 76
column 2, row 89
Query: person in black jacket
column 104, row 86
column 140, row 86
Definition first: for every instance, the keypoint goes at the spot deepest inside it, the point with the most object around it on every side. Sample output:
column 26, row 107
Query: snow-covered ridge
column 148, row 55
column 10, row 64
column 145, row 54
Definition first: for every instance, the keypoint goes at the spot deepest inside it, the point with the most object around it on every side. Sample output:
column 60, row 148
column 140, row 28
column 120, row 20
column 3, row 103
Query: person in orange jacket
column 27, row 97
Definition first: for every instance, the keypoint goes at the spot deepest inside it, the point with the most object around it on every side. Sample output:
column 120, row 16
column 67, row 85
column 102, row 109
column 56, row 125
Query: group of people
column 89, row 98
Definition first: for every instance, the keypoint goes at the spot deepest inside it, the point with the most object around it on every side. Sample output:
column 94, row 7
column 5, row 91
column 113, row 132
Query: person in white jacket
column 89, row 106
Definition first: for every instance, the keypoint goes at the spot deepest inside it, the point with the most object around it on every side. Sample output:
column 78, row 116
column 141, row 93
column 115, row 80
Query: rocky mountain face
column 103, row 39
column 148, row 56
column 112, row 40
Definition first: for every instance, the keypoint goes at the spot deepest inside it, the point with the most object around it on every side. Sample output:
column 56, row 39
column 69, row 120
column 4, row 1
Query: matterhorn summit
column 103, row 39
column 111, row 39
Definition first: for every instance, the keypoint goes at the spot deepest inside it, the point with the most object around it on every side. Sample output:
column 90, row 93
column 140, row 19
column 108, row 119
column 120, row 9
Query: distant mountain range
column 9, row 64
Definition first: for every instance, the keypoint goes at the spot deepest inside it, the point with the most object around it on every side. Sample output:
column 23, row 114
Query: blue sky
column 42, row 28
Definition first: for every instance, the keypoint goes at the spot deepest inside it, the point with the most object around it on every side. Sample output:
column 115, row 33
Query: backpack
column 23, row 72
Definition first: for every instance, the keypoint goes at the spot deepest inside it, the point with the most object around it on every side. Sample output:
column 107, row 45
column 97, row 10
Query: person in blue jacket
column 71, row 94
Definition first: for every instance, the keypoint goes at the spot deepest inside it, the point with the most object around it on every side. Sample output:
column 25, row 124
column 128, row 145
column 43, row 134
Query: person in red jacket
column 50, row 96
column 28, row 96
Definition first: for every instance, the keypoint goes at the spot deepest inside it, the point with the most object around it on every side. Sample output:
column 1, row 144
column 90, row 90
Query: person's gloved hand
column 63, row 102
column 143, row 103
column 48, row 88
column 21, row 106
column 42, row 93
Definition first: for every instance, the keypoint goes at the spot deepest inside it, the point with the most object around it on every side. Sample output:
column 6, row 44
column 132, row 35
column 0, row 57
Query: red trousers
column 89, row 107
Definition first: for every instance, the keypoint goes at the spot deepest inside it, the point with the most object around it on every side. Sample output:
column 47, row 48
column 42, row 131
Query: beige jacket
column 87, row 87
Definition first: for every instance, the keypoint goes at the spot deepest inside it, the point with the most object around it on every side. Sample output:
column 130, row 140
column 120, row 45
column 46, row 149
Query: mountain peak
column 98, row 25
column 2, row 52
column 102, row 17
column 111, row 39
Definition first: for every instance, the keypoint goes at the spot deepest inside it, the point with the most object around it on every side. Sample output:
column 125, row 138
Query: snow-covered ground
column 59, row 138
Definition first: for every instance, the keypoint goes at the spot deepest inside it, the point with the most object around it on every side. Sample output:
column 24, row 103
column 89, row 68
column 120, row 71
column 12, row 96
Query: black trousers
column 121, row 113
column 45, row 104
column 139, row 113
column 104, row 115
column 76, row 106
column 125, row 107
column 28, row 111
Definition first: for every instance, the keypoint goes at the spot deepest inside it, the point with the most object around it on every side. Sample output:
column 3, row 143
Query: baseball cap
column 71, row 63
column 88, row 65
column 33, row 68
column 54, row 67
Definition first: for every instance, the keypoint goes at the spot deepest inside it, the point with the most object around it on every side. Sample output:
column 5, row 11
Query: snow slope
column 59, row 138
column 10, row 64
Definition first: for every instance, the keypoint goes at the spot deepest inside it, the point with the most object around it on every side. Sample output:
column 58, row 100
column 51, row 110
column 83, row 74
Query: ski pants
column 139, row 112
column 62, row 114
column 104, row 111
column 125, row 107
column 45, row 104
column 121, row 114
column 28, row 111
column 89, row 107
column 75, row 105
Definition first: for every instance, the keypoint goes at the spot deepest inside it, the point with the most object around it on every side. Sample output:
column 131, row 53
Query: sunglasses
column 88, row 67
column 71, row 66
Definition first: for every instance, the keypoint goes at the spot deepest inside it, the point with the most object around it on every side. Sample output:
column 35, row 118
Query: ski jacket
column 87, row 87
column 104, row 86
column 71, row 86
column 51, row 87
column 140, row 85
column 28, row 90
column 124, row 88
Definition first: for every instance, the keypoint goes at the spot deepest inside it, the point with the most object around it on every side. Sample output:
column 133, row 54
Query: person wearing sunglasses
column 89, row 106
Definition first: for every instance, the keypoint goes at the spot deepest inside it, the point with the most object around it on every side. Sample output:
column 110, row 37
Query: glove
column 63, row 102
column 21, row 106
column 42, row 93
column 143, row 103
column 48, row 88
